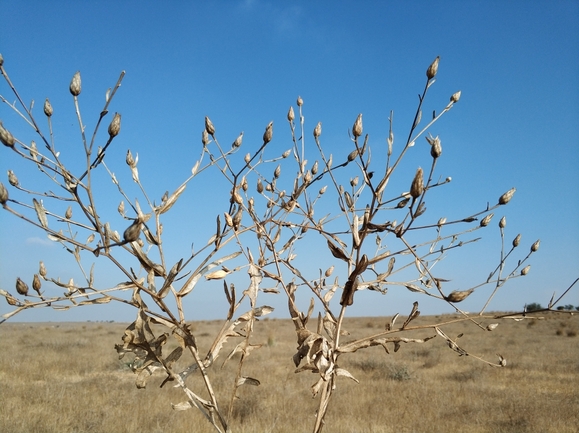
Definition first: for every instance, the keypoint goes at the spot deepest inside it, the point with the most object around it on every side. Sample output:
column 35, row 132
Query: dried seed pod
column 228, row 219
column 322, row 190
column 268, row 134
column 525, row 270
column 417, row 187
column 492, row 326
column 308, row 177
column 36, row 284
column 318, row 130
column 243, row 184
column 129, row 159
column 3, row 194
column 21, row 287
column 131, row 234
column 204, row 138
column 247, row 158
column 352, row 155
column 436, row 149
column 259, row 186
column 48, row 108
column 503, row 222
column 507, row 196
column 290, row 115
column 115, row 126
column 433, row 68
column 277, row 172
column 6, row 137
column 517, row 241
column 121, row 208
column 329, row 271
column 441, row 222
column 12, row 179
column 357, row 128
column 457, row 296
column 238, row 141
column 315, row 168
column 209, row 126
column 75, row 85
column 286, row 153
column 68, row 213
column 354, row 181
column 42, row 270
column 300, row 101
column 535, row 246
column 486, row 220
column 455, row 97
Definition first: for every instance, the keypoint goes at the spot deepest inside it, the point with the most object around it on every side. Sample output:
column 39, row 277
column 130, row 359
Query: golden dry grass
column 67, row 378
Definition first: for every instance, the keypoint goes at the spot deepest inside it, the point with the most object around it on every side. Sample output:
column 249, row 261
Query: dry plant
column 373, row 239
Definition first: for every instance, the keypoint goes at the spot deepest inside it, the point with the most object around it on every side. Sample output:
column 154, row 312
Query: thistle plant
column 370, row 236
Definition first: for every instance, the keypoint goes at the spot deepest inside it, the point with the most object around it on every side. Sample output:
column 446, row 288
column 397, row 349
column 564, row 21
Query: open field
column 67, row 378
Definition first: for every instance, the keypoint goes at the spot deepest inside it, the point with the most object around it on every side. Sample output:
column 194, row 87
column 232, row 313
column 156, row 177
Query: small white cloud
column 39, row 241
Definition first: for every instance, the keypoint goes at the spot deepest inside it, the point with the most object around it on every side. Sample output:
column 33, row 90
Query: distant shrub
column 534, row 307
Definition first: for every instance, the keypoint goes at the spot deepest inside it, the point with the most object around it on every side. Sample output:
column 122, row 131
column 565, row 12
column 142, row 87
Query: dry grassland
column 67, row 378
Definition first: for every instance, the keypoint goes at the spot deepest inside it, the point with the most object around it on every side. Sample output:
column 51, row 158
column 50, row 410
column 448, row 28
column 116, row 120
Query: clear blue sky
column 243, row 63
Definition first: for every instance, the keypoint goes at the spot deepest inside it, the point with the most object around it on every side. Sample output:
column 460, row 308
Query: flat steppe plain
column 67, row 377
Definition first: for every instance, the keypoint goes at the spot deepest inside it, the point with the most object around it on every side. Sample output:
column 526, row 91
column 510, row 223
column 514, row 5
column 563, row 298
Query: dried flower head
column 433, row 68
column 75, row 85
column 357, row 128
column 525, row 270
column 68, row 213
column 129, row 159
column 315, row 168
column 205, row 138
column 6, row 137
column 517, row 241
column 12, row 179
column 209, row 126
column 458, row 296
column 352, row 155
column 277, row 171
column 486, row 220
column 455, row 97
column 48, row 108
column 503, row 222
column 318, row 130
column 535, row 246
column 268, row 134
column 436, row 149
column 300, row 101
column 131, row 234
column 115, row 126
column 417, row 187
column 290, row 115
column 42, row 270
column 507, row 196
column 3, row 194
column 36, row 283
column 21, row 287
column 238, row 140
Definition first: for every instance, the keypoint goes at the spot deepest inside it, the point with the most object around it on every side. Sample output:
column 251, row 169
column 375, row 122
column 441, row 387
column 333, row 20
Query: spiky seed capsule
column 204, row 138
column 455, row 97
column 12, row 179
column 68, row 213
column 517, row 241
column 507, row 196
column 503, row 222
column 129, row 159
column 417, row 187
column 290, row 115
column 525, row 270
column 238, row 141
column 318, row 130
column 535, row 246
column 131, row 234
column 115, row 126
column 21, row 287
column 6, row 137
column 486, row 220
column 268, row 134
column 277, row 172
column 75, row 85
column 357, row 128
column 36, row 284
column 3, row 194
column 48, row 108
column 300, row 101
column 209, row 126
column 433, row 68
column 42, row 270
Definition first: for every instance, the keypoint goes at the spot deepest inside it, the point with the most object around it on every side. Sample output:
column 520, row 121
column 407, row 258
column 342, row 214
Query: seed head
column 457, row 296
column 517, row 241
column 357, row 128
column 268, row 134
column 247, row 158
column 68, row 213
column 209, row 126
column 507, row 196
column 290, row 115
column 417, row 187
column 115, row 126
column 75, row 86
column 42, row 270
column 129, row 159
column 525, row 270
column 277, row 171
column 318, row 130
column 259, row 186
column 47, row 108
column 12, row 179
column 503, row 222
column 315, row 168
column 535, row 246
column 21, row 287
column 238, row 140
column 300, row 101
column 354, row 182
column 436, row 149
column 205, row 138
column 486, row 220
column 3, row 194
column 131, row 234
column 6, row 137
column 455, row 97
column 36, row 284
column 352, row 155
column 433, row 68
